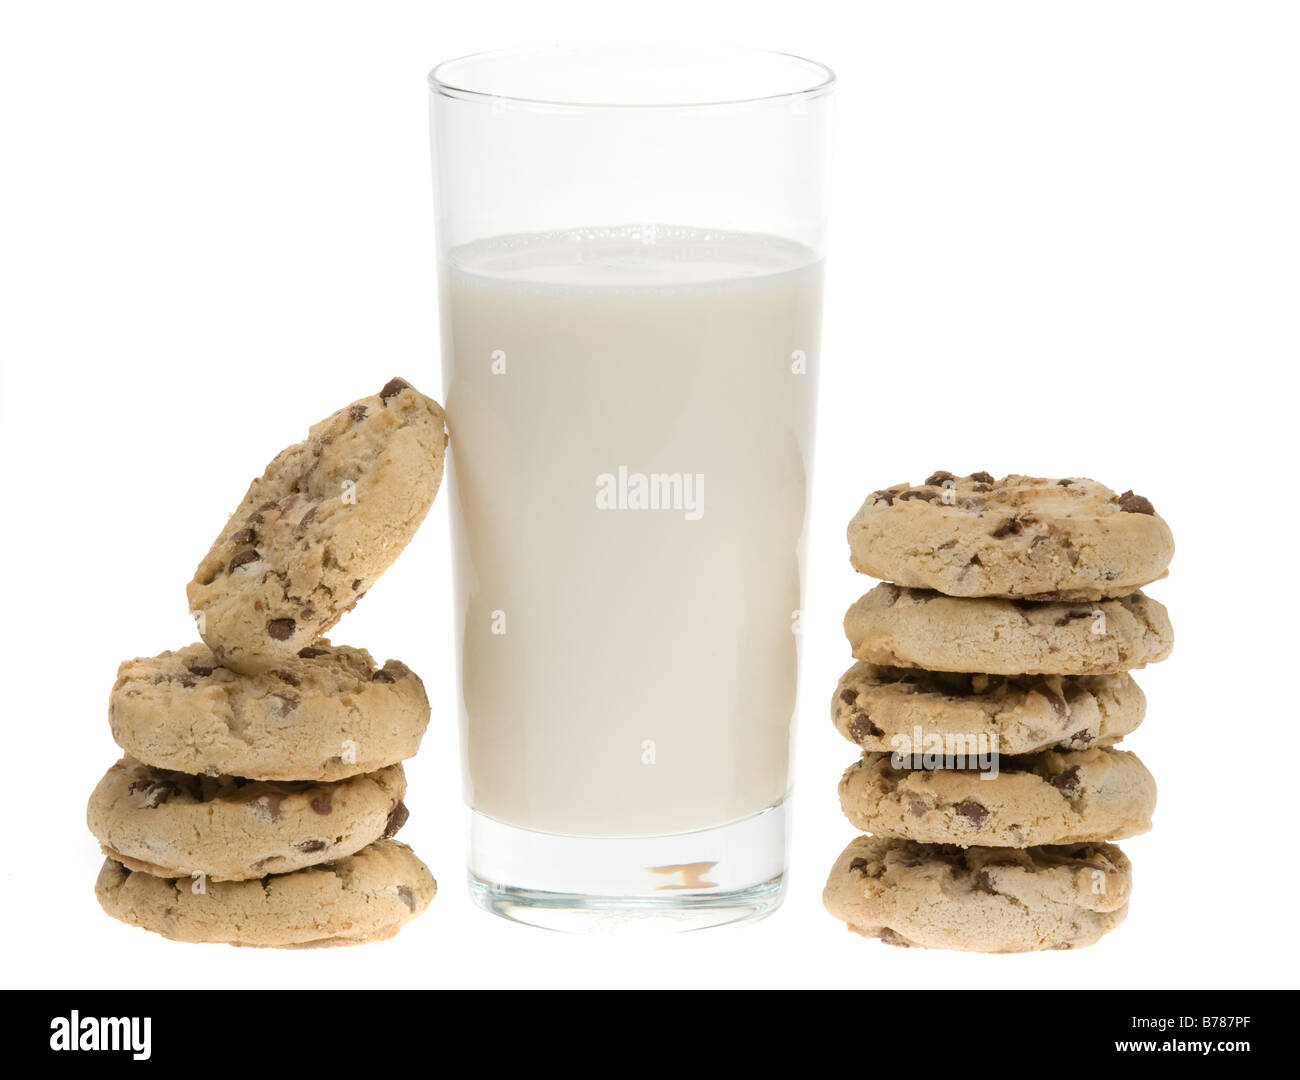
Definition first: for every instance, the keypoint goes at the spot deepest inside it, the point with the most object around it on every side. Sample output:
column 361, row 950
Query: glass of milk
column 630, row 246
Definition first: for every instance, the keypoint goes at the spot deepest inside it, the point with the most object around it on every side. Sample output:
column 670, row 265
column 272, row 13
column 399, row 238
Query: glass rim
column 440, row 83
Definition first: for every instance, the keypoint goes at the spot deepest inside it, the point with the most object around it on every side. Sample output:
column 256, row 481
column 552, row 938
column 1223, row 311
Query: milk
column 631, row 416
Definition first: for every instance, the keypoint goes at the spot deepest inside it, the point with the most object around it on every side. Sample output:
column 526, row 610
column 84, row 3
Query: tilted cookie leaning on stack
column 262, row 783
column 991, row 688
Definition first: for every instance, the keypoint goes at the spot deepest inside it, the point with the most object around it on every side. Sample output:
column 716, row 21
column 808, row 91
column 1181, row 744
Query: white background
column 1064, row 241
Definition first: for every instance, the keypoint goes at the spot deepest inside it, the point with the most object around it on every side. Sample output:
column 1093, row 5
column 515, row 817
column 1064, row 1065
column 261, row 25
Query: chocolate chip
column 186, row 680
column 884, row 495
column 893, row 937
column 918, row 493
column 848, row 695
column 383, row 675
column 270, row 504
column 269, row 805
column 1010, row 527
column 1070, row 616
column 974, row 812
column 1064, row 483
column 860, row 865
column 1083, row 737
column 981, row 478
column 245, row 557
column 280, row 629
column 1135, row 504
column 1067, row 780
column 287, row 677
column 306, row 520
column 861, row 728
column 984, row 883
column 407, row 896
column 392, row 388
column 356, row 584
column 156, row 791
column 200, row 670
column 288, row 701
column 311, row 652
column 323, row 804
column 396, row 820
column 937, row 478
column 310, row 847
column 974, row 561
column 358, row 413
column 244, row 537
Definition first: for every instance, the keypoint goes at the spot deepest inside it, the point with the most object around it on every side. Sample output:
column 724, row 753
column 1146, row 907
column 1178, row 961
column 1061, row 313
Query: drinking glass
column 630, row 248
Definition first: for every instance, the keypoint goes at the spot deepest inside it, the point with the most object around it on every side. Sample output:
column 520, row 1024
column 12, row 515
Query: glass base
column 650, row 884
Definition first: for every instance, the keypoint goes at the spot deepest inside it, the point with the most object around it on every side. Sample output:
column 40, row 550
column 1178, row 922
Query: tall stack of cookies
column 991, row 687
column 262, row 782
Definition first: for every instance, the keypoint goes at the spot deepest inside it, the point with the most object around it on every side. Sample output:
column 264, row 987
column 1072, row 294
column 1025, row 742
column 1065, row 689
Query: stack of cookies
column 262, row 783
column 991, row 688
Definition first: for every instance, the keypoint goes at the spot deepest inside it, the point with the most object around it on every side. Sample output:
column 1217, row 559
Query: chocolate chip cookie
column 993, row 900
column 874, row 706
column 325, row 519
column 327, row 713
column 901, row 627
column 1021, row 536
column 172, row 824
column 1076, row 797
column 364, row 897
